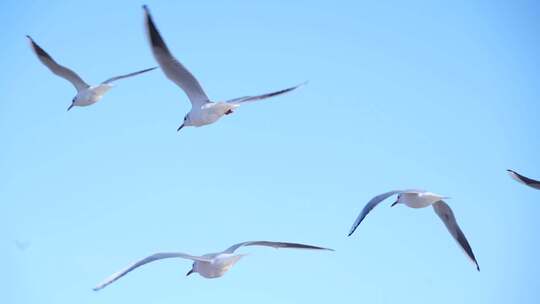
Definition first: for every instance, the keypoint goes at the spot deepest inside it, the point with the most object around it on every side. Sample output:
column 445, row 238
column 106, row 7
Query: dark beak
column 71, row 106
column 393, row 204
column 189, row 272
column 180, row 128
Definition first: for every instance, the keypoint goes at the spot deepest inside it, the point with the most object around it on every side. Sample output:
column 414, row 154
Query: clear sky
column 440, row 95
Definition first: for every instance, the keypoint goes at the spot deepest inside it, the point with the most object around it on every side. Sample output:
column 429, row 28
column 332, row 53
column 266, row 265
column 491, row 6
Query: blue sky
column 424, row 94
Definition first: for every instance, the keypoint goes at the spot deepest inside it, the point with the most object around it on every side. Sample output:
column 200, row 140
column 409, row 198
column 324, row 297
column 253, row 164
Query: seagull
column 212, row 265
column 524, row 180
column 203, row 111
column 86, row 94
column 420, row 199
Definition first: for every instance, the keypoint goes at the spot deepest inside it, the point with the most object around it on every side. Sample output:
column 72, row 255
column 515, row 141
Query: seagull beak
column 71, row 106
column 180, row 128
column 189, row 272
column 393, row 204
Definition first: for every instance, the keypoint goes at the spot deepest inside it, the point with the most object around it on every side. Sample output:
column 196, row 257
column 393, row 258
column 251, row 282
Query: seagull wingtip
column 146, row 10
column 302, row 84
column 353, row 229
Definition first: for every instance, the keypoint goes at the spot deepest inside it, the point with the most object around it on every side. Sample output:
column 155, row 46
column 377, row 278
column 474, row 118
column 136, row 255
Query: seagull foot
column 229, row 112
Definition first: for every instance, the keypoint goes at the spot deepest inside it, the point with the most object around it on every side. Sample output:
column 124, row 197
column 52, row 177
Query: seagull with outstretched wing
column 203, row 111
column 421, row 199
column 212, row 265
column 86, row 94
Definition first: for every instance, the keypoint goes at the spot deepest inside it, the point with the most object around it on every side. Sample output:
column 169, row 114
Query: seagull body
column 421, row 199
column 90, row 95
column 418, row 199
column 203, row 111
column 212, row 265
column 524, row 180
column 86, row 94
column 220, row 263
column 209, row 113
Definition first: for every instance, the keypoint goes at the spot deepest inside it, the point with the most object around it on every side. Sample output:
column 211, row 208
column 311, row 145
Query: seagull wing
column 57, row 69
column 524, row 180
column 274, row 245
column 128, row 75
column 448, row 218
column 151, row 258
column 172, row 68
column 370, row 205
column 263, row 96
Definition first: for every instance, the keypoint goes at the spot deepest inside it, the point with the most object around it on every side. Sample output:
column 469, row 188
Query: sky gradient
column 428, row 94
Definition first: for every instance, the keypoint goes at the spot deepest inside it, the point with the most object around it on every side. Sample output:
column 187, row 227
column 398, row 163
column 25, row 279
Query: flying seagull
column 524, row 180
column 421, row 199
column 86, row 94
column 203, row 111
column 212, row 265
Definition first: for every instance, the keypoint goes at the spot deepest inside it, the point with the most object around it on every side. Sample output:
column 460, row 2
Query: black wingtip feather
column 153, row 33
column 41, row 52
column 145, row 8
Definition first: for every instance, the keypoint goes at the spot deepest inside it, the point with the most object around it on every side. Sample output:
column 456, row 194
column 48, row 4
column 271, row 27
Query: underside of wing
column 151, row 258
column 56, row 68
column 449, row 220
column 233, row 248
column 263, row 96
column 369, row 206
column 172, row 68
column 128, row 75
column 524, row 180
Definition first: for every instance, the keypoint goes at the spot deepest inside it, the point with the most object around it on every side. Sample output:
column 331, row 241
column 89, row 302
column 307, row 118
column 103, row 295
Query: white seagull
column 203, row 111
column 212, row 265
column 421, row 199
column 524, row 180
column 86, row 94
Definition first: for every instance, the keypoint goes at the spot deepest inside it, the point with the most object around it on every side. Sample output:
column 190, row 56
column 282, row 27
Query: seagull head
column 192, row 270
column 186, row 123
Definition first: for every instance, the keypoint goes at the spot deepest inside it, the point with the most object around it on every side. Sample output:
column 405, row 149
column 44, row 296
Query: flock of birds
column 204, row 112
